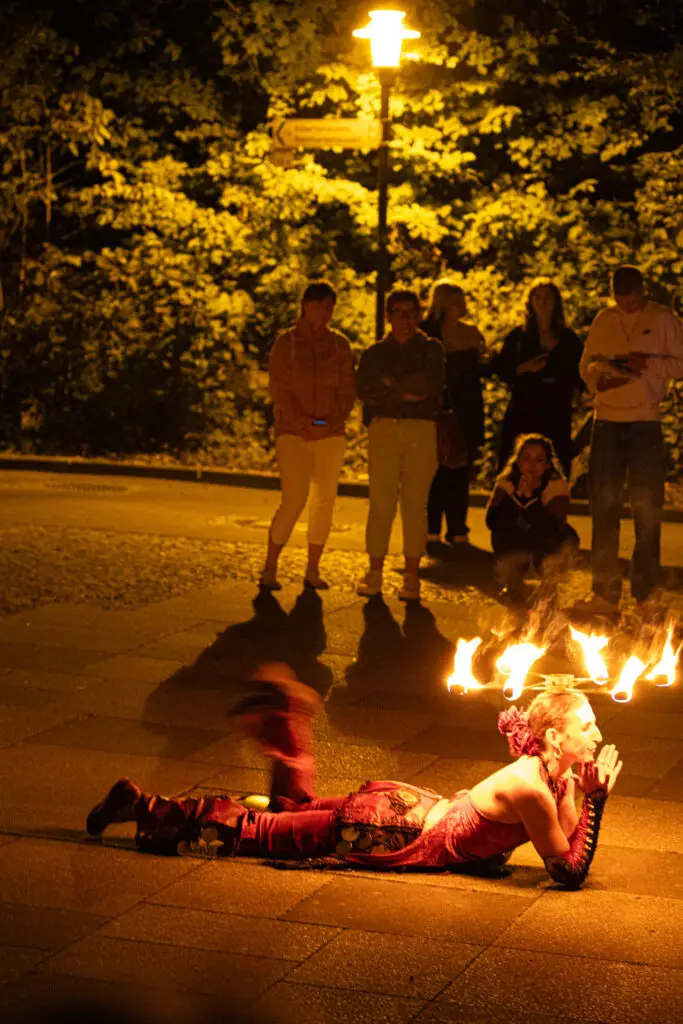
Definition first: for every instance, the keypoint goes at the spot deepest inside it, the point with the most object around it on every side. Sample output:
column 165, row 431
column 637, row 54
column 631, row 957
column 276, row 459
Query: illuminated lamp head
column 386, row 33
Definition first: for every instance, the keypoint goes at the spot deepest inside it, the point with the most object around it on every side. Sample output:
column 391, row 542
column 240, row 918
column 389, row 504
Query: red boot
column 278, row 716
column 118, row 805
column 276, row 688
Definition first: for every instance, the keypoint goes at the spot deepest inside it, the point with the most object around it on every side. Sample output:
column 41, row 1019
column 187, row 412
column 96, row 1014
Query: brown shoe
column 653, row 608
column 118, row 805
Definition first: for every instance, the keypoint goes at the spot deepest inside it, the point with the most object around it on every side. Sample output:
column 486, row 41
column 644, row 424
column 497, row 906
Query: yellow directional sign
column 326, row 133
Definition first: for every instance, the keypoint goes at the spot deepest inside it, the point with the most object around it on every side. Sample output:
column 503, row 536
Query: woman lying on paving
column 393, row 825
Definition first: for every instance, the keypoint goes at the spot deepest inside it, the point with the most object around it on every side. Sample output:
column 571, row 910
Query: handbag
column 451, row 446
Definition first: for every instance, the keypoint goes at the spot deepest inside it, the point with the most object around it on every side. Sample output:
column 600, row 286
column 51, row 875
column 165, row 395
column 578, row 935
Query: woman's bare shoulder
column 518, row 775
column 523, row 778
column 510, row 790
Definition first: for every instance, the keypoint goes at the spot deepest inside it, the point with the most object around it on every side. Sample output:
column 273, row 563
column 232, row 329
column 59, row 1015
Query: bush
column 151, row 250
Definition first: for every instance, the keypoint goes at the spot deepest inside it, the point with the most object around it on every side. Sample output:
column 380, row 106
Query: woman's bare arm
column 566, row 808
column 540, row 818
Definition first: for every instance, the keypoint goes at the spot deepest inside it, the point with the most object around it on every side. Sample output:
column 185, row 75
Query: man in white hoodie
column 633, row 349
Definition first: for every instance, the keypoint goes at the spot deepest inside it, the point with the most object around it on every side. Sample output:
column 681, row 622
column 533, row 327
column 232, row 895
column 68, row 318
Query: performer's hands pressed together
column 601, row 774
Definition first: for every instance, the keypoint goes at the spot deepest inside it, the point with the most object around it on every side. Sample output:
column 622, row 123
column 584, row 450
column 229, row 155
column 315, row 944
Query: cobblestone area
column 140, row 686
column 40, row 565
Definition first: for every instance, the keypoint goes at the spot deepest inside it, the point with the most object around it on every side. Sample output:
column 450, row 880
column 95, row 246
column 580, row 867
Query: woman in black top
column 540, row 362
column 464, row 345
column 527, row 513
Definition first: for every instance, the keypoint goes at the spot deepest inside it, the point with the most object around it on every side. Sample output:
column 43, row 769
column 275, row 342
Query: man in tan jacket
column 312, row 386
column 633, row 349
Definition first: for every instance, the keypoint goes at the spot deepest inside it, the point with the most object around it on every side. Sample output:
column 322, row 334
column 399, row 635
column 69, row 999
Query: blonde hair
column 443, row 296
column 525, row 730
column 549, row 710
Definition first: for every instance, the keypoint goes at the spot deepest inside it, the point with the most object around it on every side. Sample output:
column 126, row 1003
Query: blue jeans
column 620, row 451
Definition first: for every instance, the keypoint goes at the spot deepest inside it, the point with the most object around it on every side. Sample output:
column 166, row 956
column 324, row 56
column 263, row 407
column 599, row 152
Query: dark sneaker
column 269, row 581
column 595, row 605
column 316, row 583
column 653, row 608
column 118, row 805
column 509, row 572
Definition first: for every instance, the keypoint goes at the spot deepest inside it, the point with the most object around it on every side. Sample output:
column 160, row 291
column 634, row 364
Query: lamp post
column 386, row 33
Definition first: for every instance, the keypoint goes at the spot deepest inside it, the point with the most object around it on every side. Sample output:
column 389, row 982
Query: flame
column 667, row 664
column 632, row 670
column 593, row 660
column 515, row 663
column 462, row 666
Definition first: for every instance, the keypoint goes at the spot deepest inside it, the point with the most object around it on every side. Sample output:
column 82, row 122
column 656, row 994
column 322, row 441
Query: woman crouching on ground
column 393, row 825
column 527, row 514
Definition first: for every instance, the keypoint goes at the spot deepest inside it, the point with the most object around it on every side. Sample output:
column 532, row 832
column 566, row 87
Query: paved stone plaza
column 89, row 693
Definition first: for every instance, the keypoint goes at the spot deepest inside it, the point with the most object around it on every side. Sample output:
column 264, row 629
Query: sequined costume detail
column 464, row 835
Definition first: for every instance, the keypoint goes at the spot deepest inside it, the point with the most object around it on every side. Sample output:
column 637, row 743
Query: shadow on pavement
column 460, row 566
column 413, row 658
column 272, row 634
column 73, row 1000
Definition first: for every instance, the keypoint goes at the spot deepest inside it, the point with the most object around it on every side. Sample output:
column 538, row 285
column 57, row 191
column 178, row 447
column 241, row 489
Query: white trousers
column 307, row 466
column 401, row 466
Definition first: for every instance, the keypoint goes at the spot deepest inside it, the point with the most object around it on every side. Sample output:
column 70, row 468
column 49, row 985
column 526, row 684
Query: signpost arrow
column 326, row 133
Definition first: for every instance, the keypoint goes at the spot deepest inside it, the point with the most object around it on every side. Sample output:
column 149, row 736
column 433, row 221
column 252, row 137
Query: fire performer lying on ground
column 393, row 825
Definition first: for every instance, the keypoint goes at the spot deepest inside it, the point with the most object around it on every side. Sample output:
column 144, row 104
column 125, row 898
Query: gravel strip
column 40, row 565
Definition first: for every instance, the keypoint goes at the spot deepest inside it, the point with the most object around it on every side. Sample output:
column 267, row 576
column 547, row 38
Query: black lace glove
column 570, row 869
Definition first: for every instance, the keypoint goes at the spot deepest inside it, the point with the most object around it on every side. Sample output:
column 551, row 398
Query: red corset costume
column 380, row 826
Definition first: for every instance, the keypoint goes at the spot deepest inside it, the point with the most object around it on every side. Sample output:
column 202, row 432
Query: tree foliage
column 151, row 250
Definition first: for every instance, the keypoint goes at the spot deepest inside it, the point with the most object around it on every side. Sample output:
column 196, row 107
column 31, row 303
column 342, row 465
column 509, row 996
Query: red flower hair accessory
column 514, row 724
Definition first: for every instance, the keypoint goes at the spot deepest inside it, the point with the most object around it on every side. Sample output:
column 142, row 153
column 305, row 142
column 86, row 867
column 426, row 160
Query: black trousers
column 537, row 544
column 621, row 452
column 449, row 495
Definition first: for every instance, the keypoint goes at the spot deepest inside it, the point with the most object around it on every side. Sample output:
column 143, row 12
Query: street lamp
column 386, row 33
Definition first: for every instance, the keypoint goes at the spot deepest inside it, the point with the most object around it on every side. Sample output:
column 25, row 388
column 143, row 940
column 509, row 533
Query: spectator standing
column 312, row 387
column 540, row 362
column 400, row 382
column 527, row 513
column 633, row 349
column 463, row 344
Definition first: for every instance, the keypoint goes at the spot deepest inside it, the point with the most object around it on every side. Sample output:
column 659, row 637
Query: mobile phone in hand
column 620, row 364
